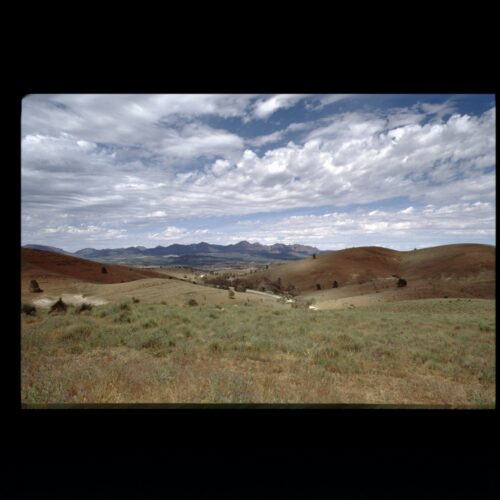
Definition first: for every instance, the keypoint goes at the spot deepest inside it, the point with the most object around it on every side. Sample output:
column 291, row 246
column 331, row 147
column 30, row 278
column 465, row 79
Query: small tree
column 58, row 306
column 34, row 288
column 318, row 286
column 314, row 255
column 401, row 282
column 231, row 294
column 335, row 284
column 104, row 270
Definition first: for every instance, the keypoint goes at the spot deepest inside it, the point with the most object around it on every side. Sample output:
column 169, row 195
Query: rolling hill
column 358, row 266
column 40, row 264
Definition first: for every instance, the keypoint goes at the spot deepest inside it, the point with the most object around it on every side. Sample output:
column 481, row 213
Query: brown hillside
column 361, row 265
column 38, row 264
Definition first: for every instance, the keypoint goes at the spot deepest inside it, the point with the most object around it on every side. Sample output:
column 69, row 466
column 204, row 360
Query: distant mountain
column 199, row 254
column 47, row 249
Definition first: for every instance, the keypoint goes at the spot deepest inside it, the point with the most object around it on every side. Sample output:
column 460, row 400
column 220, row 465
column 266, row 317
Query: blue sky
column 329, row 170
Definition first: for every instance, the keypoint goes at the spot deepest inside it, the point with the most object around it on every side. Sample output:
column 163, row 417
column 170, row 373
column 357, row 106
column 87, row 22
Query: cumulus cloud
column 115, row 162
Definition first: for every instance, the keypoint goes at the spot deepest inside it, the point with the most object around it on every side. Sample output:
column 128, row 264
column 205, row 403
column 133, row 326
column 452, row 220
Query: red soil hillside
column 37, row 264
column 363, row 264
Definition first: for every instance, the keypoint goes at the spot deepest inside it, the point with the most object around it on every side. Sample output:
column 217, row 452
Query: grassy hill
column 357, row 266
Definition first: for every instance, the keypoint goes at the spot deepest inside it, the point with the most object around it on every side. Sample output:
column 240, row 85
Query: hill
column 359, row 266
column 40, row 265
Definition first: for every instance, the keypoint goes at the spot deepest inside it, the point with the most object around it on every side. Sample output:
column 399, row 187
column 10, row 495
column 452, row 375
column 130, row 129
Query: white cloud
column 401, row 229
column 170, row 233
column 264, row 108
column 124, row 160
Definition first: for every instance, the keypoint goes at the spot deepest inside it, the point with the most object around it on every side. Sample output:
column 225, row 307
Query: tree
column 318, row 286
column 34, row 287
column 314, row 255
column 104, row 270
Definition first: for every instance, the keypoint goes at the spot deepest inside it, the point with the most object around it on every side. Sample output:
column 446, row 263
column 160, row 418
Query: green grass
column 428, row 351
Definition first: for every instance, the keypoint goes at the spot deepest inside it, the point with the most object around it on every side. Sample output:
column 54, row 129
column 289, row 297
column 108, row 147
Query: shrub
column 124, row 306
column 401, row 282
column 192, row 302
column 83, row 307
column 34, row 287
column 318, row 286
column 335, row 284
column 104, row 270
column 135, row 300
column 231, row 294
column 28, row 309
column 59, row 306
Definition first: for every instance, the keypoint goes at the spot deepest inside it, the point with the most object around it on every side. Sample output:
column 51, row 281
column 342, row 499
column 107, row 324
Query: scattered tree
column 104, row 270
column 231, row 294
column 34, row 288
column 401, row 282
column 58, row 306
column 314, row 255
column 335, row 284
column 318, row 286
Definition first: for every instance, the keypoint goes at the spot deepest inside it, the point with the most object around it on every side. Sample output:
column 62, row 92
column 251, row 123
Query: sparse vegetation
column 28, row 309
column 83, row 307
column 59, row 306
column 428, row 351
column 192, row 302
column 34, row 287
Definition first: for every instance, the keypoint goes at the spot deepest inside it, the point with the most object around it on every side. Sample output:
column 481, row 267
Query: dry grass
column 413, row 352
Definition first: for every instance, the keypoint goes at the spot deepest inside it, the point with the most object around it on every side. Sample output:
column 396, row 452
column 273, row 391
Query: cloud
column 329, row 99
column 264, row 108
column 398, row 229
column 115, row 162
column 170, row 233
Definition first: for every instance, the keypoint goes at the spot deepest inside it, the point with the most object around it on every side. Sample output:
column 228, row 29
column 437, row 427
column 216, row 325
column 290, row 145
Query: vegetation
column 432, row 351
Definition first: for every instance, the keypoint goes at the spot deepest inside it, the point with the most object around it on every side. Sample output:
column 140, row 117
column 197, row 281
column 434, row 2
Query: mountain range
column 196, row 254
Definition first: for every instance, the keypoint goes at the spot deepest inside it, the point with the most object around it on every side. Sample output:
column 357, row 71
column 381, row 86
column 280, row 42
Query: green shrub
column 192, row 302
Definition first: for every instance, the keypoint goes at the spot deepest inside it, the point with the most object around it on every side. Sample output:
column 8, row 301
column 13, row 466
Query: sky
column 329, row 170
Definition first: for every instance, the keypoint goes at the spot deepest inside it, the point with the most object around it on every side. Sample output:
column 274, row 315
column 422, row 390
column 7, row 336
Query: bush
column 135, row 300
column 34, row 287
column 318, row 286
column 401, row 282
column 59, row 306
column 124, row 307
column 192, row 302
column 28, row 309
column 83, row 307
column 231, row 294
column 104, row 270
